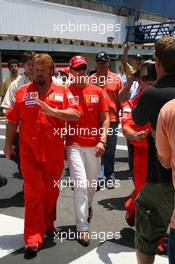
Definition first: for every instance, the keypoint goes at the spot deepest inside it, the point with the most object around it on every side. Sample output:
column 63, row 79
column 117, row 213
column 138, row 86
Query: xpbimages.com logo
column 101, row 236
column 62, row 184
column 80, row 27
column 83, row 131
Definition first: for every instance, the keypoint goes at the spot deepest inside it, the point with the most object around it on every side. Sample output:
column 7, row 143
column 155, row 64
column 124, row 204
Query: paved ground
column 108, row 220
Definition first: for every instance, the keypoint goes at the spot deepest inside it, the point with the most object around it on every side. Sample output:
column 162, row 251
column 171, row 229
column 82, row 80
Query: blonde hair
column 43, row 58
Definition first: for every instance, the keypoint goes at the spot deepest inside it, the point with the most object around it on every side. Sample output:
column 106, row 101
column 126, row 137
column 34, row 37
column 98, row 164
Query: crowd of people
column 42, row 101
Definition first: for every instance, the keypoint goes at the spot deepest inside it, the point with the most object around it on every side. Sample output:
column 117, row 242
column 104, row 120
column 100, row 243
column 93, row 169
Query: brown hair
column 12, row 61
column 165, row 52
column 27, row 56
column 43, row 58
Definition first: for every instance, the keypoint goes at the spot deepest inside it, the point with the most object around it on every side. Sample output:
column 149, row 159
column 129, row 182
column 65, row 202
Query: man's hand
column 9, row 151
column 141, row 135
column 100, row 149
column 44, row 107
column 66, row 114
column 126, row 46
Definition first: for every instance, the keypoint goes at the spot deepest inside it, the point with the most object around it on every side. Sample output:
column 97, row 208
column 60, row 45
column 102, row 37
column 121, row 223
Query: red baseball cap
column 77, row 61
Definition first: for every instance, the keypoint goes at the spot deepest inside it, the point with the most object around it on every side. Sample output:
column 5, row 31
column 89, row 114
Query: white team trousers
column 84, row 168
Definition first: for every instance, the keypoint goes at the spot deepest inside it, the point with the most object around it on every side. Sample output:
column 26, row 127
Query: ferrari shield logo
column 88, row 98
column 33, row 95
column 51, row 96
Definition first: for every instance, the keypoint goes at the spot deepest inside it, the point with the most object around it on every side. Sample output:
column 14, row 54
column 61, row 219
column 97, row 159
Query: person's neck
column 162, row 75
column 102, row 73
column 42, row 89
column 14, row 75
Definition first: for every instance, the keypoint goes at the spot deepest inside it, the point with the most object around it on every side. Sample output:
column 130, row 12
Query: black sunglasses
column 101, row 61
column 146, row 78
column 80, row 68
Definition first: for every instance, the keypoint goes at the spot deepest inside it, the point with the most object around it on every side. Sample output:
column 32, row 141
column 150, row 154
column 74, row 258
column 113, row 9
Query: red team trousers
column 140, row 167
column 40, row 196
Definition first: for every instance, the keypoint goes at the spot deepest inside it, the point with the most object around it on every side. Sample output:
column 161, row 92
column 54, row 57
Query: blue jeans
column 109, row 155
column 171, row 246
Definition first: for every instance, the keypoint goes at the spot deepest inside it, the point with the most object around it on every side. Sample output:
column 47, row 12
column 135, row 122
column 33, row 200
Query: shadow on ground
column 114, row 203
column 123, row 175
column 15, row 201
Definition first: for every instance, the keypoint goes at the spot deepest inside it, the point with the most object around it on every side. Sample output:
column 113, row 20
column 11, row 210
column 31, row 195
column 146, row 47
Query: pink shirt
column 165, row 138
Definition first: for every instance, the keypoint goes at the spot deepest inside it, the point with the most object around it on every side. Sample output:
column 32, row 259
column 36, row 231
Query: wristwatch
column 104, row 143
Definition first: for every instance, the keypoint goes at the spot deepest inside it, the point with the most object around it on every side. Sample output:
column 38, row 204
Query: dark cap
column 102, row 56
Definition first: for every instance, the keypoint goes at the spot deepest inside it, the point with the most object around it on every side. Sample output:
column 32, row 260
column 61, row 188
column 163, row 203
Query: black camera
column 137, row 74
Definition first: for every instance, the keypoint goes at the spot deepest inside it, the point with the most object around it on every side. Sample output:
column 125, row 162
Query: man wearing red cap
column 111, row 84
column 87, row 145
column 40, row 165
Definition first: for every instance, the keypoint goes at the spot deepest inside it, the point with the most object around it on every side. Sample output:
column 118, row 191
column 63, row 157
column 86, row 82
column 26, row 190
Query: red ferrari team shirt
column 128, row 121
column 92, row 102
column 39, row 133
column 111, row 86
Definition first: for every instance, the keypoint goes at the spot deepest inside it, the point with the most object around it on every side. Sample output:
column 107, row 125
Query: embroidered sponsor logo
column 58, row 97
column 87, row 98
column 127, row 110
column 33, row 95
column 30, row 102
column 30, row 95
column 55, row 96
column 26, row 96
column 51, row 95
column 94, row 99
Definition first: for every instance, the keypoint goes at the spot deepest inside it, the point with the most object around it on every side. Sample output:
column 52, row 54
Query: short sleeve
column 12, row 113
column 162, row 142
column 9, row 96
column 126, row 119
column 69, row 100
column 103, row 102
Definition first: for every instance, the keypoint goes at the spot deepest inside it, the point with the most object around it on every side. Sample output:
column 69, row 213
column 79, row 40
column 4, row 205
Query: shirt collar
column 50, row 90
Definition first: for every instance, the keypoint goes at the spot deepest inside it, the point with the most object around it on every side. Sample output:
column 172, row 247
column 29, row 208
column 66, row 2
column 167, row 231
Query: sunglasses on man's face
column 145, row 78
column 80, row 68
column 101, row 62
